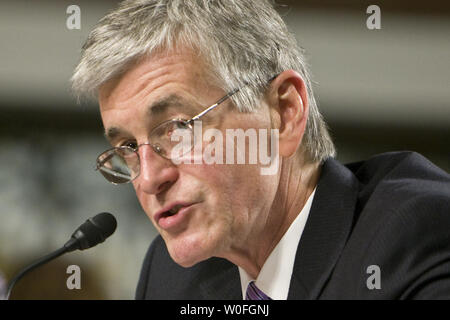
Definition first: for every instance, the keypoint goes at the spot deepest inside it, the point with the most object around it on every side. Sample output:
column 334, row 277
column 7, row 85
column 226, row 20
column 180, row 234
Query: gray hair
column 241, row 41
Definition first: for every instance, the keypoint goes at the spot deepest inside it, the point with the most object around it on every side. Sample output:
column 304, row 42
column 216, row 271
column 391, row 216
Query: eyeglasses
column 122, row 164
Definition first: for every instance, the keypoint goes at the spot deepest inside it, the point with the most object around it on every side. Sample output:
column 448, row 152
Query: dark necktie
column 253, row 293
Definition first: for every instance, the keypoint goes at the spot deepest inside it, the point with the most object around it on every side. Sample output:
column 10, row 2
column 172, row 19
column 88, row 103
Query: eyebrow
column 172, row 101
column 157, row 108
column 111, row 133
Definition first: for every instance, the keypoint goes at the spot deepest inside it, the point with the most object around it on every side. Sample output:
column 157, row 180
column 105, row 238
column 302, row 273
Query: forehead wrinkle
column 155, row 109
column 161, row 68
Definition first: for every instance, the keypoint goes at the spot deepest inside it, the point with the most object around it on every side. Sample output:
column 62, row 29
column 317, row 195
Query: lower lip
column 171, row 222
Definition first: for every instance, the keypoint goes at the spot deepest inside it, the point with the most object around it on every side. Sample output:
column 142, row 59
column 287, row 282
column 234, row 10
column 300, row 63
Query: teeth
column 174, row 209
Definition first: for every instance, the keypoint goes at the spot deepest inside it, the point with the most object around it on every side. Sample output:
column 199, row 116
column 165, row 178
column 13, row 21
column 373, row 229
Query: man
column 169, row 71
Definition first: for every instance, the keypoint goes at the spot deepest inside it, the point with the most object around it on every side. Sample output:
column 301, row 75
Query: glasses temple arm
column 201, row 114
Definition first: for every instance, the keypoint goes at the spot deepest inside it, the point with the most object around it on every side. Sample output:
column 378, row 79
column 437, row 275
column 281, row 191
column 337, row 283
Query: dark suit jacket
column 392, row 211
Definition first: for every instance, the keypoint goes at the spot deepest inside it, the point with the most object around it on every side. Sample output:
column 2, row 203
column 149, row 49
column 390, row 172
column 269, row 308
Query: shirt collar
column 275, row 275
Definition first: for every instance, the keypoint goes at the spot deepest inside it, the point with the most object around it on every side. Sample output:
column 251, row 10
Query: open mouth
column 173, row 217
column 172, row 211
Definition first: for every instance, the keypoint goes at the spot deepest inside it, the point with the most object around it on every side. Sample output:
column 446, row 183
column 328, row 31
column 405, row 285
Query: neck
column 297, row 182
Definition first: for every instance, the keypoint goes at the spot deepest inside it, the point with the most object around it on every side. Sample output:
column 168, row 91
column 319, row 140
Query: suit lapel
column 325, row 234
column 326, row 231
column 220, row 281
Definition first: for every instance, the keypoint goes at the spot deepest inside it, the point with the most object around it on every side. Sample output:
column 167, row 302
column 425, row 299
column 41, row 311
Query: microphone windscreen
column 106, row 222
column 94, row 231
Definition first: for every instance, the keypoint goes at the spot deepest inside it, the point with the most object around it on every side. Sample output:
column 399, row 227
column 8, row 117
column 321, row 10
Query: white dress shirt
column 275, row 275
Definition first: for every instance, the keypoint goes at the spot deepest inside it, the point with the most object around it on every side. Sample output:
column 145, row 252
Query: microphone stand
column 94, row 231
column 69, row 246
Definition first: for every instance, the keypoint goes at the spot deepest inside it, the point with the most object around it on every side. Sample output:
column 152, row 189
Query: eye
column 130, row 144
column 158, row 148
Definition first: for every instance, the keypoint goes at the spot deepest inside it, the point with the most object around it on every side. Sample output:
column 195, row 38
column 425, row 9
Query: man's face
column 222, row 205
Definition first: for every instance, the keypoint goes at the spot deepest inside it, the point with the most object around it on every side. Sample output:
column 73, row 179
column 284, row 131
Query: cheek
column 232, row 188
column 144, row 200
column 138, row 192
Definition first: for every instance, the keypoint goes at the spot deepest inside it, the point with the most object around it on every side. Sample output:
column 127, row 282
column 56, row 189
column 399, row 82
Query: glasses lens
column 118, row 165
column 172, row 139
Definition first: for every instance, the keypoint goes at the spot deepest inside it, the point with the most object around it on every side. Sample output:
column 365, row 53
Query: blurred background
column 379, row 90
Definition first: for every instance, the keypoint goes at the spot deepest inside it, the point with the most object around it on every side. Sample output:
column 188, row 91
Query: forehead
column 152, row 90
column 151, row 74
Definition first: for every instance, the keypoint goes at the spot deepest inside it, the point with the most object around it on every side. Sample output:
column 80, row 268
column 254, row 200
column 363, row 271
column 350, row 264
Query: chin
column 188, row 252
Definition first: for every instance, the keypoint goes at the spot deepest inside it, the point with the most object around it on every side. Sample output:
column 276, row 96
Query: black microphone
column 94, row 231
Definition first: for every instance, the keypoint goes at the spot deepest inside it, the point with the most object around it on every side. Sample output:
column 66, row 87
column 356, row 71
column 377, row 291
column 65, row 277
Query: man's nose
column 157, row 174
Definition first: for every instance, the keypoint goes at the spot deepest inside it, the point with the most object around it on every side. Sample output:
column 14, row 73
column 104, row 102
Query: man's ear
column 290, row 105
